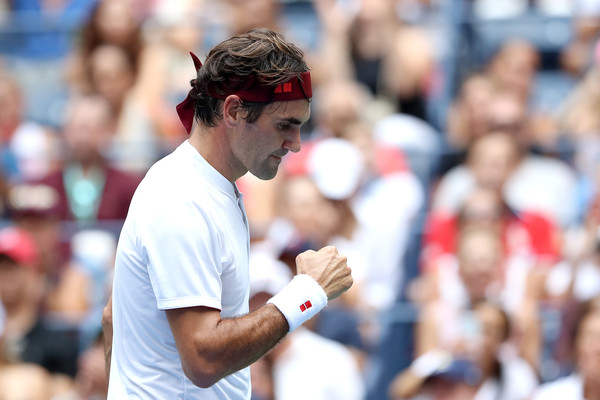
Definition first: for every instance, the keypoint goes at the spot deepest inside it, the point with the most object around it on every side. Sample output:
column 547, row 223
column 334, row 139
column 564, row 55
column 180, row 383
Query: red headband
column 297, row 88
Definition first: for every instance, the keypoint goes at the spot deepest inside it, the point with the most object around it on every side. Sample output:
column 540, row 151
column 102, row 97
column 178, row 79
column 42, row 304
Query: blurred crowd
column 453, row 153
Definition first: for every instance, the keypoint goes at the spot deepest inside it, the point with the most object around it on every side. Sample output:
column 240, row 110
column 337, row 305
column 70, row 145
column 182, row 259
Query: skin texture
column 210, row 347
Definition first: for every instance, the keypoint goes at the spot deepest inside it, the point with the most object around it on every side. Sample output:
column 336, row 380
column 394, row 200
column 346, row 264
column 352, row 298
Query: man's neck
column 212, row 145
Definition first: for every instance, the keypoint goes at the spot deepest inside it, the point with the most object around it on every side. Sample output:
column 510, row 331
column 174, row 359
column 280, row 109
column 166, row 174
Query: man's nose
column 292, row 141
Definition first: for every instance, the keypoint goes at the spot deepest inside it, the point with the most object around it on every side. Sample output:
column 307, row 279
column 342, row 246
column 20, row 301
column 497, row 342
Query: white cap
column 95, row 248
column 406, row 132
column 336, row 166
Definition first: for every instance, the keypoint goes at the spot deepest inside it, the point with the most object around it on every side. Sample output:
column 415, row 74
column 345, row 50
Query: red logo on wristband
column 305, row 306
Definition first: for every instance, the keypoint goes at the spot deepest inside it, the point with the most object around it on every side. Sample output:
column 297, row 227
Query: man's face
column 259, row 147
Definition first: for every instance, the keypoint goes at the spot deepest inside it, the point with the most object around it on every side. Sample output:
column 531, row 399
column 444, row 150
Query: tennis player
column 179, row 311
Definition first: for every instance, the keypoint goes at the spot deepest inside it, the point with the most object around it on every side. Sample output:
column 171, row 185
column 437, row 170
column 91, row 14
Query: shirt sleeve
column 183, row 251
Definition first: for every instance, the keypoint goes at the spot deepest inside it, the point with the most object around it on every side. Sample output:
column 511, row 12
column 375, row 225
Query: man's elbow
column 204, row 374
column 204, row 382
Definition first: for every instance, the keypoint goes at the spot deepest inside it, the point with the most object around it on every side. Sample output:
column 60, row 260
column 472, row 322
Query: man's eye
column 284, row 127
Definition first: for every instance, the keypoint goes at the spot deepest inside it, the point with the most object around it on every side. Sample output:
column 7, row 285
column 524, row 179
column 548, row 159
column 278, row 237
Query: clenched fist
column 328, row 267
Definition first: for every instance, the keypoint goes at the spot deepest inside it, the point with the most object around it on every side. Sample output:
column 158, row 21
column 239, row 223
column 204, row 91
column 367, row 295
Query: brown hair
column 258, row 54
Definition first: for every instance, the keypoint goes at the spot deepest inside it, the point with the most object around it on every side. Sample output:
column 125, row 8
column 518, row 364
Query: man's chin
column 266, row 175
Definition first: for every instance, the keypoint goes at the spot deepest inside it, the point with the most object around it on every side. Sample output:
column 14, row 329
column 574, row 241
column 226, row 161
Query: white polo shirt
column 185, row 243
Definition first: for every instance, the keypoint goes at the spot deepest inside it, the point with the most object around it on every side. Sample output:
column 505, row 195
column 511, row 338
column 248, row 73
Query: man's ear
column 232, row 111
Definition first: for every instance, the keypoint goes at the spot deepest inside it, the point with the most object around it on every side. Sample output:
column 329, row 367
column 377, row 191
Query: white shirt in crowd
column 570, row 387
column 316, row 368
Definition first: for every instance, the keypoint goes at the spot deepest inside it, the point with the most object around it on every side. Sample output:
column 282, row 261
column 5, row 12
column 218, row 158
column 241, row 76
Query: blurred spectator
column 90, row 382
column 112, row 22
column 28, row 150
column 244, row 15
column 174, row 30
column 480, row 371
column 524, row 234
column 514, row 66
column 85, row 283
column 356, row 37
column 337, row 104
column 34, row 208
column 383, row 205
column 491, row 161
column 28, row 336
column 577, row 277
column 332, row 59
column 380, row 159
column 408, row 72
column 112, row 76
column 584, row 382
column 335, row 376
column 89, row 188
column 451, row 379
column 309, row 220
column 580, row 122
column 366, row 41
column 416, row 139
column 578, row 56
column 362, row 196
column 336, row 167
column 530, row 182
column 579, row 119
column 20, row 380
column 467, row 116
column 372, row 34
column 480, row 273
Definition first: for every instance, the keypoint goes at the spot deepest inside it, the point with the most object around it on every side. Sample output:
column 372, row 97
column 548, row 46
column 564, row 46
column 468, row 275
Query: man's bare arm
column 212, row 348
column 107, row 330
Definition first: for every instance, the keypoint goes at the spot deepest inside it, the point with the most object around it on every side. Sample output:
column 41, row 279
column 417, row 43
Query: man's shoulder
column 166, row 175
column 169, row 185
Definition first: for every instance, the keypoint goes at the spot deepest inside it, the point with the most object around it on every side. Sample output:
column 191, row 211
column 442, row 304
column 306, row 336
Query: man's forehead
column 298, row 110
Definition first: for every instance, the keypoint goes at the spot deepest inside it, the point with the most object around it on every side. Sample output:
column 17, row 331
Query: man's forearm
column 251, row 336
column 211, row 350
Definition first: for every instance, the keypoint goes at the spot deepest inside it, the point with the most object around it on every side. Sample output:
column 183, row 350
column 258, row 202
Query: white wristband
column 300, row 300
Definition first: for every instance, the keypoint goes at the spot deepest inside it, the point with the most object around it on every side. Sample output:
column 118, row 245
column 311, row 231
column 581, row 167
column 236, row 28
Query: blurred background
column 453, row 153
